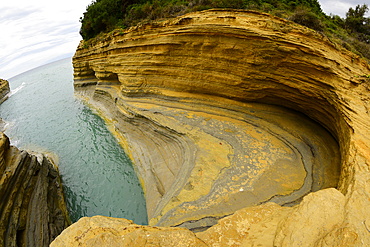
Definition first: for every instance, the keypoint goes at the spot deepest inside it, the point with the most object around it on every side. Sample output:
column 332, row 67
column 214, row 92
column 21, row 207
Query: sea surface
column 42, row 114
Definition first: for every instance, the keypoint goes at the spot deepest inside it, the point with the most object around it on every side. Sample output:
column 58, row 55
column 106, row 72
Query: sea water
column 42, row 114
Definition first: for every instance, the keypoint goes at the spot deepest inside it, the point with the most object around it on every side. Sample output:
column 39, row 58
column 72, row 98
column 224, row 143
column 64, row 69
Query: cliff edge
column 244, row 126
column 4, row 90
column 32, row 207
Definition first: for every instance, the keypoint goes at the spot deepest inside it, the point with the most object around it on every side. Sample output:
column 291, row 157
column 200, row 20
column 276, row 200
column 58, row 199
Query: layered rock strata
column 106, row 231
column 178, row 94
column 32, row 207
column 4, row 90
column 265, row 225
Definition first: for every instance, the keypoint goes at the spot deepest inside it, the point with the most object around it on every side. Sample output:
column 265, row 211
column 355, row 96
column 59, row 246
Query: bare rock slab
column 106, row 231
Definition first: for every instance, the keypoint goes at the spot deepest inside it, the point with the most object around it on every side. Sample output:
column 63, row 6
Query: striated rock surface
column 32, row 208
column 4, row 90
column 106, row 231
column 265, row 225
column 305, row 225
column 221, row 110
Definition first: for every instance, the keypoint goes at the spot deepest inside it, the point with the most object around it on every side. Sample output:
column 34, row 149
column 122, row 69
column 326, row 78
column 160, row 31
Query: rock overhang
column 226, row 58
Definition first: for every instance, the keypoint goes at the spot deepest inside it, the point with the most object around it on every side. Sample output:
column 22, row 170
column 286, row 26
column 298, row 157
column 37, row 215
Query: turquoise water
column 43, row 115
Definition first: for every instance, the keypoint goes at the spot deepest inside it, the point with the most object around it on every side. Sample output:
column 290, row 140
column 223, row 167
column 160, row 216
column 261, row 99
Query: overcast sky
column 36, row 32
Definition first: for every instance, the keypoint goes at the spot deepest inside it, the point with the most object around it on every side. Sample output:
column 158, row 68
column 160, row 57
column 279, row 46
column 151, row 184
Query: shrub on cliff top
column 105, row 15
column 305, row 17
column 354, row 31
column 358, row 24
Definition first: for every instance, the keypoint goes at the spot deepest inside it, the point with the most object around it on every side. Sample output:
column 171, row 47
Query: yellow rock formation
column 106, row 231
column 223, row 110
column 4, row 90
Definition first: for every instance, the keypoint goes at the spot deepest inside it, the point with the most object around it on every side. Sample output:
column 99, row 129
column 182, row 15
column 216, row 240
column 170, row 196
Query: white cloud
column 37, row 32
column 340, row 7
column 40, row 31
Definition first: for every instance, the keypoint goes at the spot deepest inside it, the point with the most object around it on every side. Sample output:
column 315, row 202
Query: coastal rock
column 106, row 231
column 4, row 90
column 32, row 208
column 265, row 225
column 252, row 226
column 221, row 110
column 317, row 215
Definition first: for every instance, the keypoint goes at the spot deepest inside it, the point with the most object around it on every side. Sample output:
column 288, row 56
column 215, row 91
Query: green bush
column 303, row 16
column 358, row 24
column 153, row 10
column 353, row 31
column 105, row 15
column 355, row 18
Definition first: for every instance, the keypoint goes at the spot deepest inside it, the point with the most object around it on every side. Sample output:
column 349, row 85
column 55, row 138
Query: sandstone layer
column 106, row 231
column 32, row 207
column 265, row 225
column 4, row 90
column 212, row 108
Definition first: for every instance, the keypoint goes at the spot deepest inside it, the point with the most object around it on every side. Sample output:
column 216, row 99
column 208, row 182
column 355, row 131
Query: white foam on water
column 7, row 129
column 16, row 90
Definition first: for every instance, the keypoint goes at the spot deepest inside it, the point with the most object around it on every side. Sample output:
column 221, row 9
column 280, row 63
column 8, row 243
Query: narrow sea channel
column 42, row 114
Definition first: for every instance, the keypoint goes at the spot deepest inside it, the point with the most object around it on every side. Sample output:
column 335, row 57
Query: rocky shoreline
column 159, row 84
column 177, row 92
column 32, row 206
column 212, row 109
column 4, row 90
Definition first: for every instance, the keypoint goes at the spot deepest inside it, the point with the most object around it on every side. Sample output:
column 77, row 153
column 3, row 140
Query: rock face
column 106, row 231
column 221, row 110
column 265, row 225
column 272, row 225
column 4, row 90
column 32, row 208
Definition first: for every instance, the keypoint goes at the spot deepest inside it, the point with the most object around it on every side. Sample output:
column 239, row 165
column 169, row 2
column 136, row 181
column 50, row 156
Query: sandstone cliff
column 32, row 208
column 4, row 90
column 212, row 108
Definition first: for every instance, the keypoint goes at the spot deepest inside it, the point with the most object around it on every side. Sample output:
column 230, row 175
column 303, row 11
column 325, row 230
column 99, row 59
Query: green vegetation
column 353, row 32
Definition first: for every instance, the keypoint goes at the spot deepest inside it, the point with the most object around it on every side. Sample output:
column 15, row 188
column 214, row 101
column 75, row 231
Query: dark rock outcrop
column 32, row 207
column 4, row 90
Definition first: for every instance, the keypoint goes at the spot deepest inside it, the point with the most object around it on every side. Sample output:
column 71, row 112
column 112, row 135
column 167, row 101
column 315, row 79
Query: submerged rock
column 221, row 110
column 32, row 207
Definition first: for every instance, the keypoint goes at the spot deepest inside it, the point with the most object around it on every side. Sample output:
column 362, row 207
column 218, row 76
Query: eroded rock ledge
column 4, row 90
column 32, row 207
column 209, row 107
